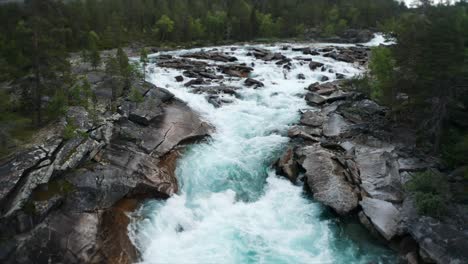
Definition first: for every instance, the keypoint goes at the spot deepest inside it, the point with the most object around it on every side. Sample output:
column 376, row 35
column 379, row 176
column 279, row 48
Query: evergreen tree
column 93, row 50
column 144, row 60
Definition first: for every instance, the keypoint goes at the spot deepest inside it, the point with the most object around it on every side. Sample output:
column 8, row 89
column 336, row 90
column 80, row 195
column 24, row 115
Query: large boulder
column 379, row 172
column 384, row 216
column 326, row 179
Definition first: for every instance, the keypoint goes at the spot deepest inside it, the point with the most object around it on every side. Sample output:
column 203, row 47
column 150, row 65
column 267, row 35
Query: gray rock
column 312, row 118
column 249, row 82
column 288, row 166
column 384, row 216
column 314, row 99
column 179, row 78
column 179, row 124
column 379, row 173
column 440, row 242
column 325, row 179
column 313, row 65
column 334, row 126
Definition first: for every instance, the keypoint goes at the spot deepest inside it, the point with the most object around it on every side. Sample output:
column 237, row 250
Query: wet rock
column 314, row 99
column 325, row 179
column 217, row 101
column 179, row 78
column 198, row 81
column 340, row 76
column 288, row 166
column 182, row 64
column 384, row 216
column 324, row 78
column 313, row 65
column 301, row 76
column 306, row 133
column 213, row 90
column 240, row 71
column 303, row 59
column 249, row 82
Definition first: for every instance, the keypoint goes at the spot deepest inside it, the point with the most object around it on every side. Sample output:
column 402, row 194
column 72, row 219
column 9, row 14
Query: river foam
column 232, row 208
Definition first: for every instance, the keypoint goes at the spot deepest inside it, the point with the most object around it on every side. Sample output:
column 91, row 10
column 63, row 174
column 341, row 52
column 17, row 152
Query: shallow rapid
column 232, row 207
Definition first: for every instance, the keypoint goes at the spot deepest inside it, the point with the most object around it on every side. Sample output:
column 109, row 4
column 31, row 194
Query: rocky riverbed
column 68, row 200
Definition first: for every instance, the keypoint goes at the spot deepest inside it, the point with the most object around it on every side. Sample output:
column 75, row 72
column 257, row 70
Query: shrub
column 430, row 190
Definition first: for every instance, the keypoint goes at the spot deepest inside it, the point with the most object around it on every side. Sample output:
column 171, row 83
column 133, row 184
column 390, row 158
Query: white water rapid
column 231, row 207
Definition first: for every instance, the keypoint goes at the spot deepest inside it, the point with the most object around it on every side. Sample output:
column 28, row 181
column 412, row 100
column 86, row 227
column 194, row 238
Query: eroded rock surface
column 326, row 179
column 61, row 202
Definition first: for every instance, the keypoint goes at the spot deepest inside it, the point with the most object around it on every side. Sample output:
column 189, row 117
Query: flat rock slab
column 384, row 216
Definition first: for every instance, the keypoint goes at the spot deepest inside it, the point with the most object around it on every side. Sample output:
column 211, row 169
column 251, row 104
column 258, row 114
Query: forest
column 38, row 36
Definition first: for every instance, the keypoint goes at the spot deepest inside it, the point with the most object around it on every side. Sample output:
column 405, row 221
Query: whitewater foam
column 232, row 208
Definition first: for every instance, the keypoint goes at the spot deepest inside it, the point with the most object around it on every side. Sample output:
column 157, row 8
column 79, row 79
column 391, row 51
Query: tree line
column 423, row 78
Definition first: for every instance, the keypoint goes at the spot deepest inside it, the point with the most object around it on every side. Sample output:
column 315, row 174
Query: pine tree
column 144, row 60
column 94, row 55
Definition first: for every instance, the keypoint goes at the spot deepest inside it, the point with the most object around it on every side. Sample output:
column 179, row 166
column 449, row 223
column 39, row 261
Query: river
column 232, row 207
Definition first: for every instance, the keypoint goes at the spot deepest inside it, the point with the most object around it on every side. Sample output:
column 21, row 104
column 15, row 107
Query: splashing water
column 232, row 208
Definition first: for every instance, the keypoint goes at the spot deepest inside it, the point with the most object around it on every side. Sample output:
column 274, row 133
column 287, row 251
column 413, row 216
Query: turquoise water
column 232, row 208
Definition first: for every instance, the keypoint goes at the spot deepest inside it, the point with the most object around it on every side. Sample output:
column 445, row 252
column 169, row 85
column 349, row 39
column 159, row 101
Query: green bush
column 455, row 148
column 430, row 190
column 69, row 131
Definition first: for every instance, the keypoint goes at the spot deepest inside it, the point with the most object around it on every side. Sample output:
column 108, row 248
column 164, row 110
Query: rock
column 324, row 78
column 79, row 117
column 303, row 59
column 314, row 99
column 340, row 76
column 440, row 242
column 215, row 90
column 325, row 179
column 301, row 76
column 217, row 101
column 337, row 96
column 179, row 78
column 249, row 82
column 367, row 224
column 334, row 126
column 384, row 216
column 357, row 36
column 313, row 65
column 60, row 201
column 379, row 173
column 198, row 81
column 287, row 166
column 313, row 119
column 181, row 64
column 305, row 133
column 240, row 71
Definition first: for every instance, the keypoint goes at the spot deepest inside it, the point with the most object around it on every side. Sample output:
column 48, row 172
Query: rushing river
column 232, row 207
